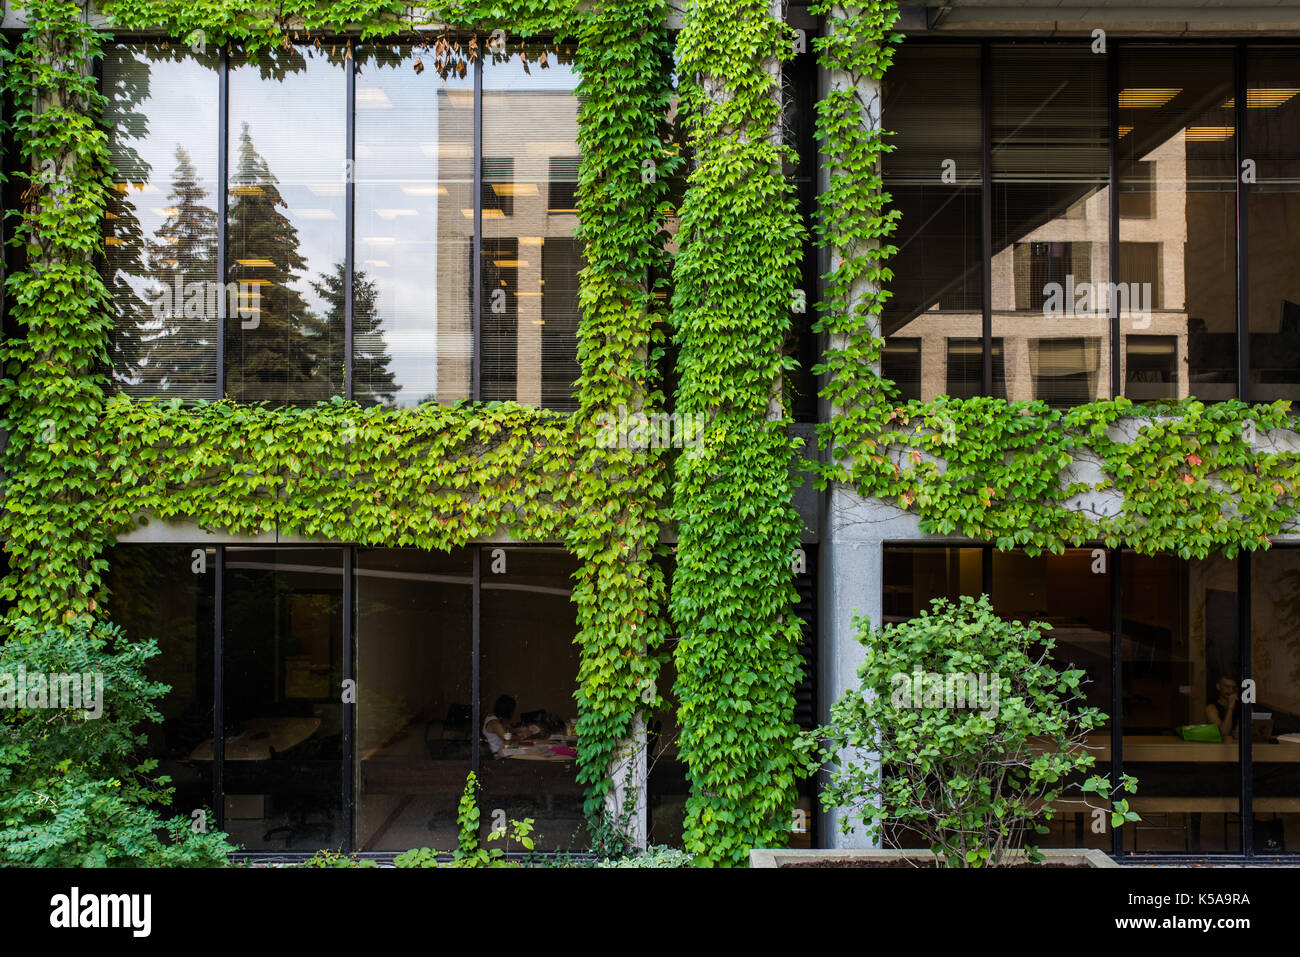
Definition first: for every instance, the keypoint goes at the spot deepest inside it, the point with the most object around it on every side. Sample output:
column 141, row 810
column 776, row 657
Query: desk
column 260, row 736
column 545, row 750
column 1152, row 748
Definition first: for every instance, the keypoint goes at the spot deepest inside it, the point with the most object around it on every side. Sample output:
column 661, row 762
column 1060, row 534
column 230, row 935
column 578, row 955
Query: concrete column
column 628, row 772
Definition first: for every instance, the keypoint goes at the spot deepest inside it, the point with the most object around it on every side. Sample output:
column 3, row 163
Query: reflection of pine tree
column 179, row 353
column 372, row 379
column 123, row 269
column 285, row 357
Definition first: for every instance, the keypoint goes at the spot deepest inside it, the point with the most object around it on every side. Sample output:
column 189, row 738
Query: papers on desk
column 1288, row 738
column 508, row 752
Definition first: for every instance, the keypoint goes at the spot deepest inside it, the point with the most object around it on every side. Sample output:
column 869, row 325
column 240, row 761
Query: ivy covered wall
column 83, row 466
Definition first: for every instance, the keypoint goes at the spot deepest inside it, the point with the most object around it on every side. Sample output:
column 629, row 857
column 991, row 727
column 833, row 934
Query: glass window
column 529, row 310
column 1177, row 182
column 285, row 226
column 1071, row 593
column 165, row 592
column 932, row 104
column 1275, row 719
column 412, row 339
column 1179, row 643
column 283, row 680
column 1273, row 207
column 916, row 576
column 160, row 246
column 528, row 672
column 1051, row 222
column 414, row 717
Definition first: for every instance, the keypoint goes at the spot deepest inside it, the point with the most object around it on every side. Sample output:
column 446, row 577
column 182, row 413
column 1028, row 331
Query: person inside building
column 1225, row 711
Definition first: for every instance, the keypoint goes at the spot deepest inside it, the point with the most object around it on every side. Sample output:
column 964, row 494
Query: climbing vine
column 733, row 591
column 624, row 58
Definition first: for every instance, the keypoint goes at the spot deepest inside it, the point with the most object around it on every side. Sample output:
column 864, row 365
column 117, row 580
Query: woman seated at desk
column 1225, row 711
column 495, row 725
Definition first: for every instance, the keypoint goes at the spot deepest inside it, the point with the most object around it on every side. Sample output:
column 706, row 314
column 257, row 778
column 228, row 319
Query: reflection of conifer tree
column 123, row 269
column 179, row 354
column 372, row 379
column 278, row 359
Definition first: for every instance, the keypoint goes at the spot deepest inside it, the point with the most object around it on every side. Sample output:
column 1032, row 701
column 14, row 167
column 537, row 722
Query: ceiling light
column 1146, row 97
column 1209, row 134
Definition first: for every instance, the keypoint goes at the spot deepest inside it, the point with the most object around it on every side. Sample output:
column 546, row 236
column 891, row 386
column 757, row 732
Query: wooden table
column 1150, row 748
column 260, row 736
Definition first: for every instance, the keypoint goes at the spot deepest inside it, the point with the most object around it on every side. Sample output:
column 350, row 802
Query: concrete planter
column 780, row 857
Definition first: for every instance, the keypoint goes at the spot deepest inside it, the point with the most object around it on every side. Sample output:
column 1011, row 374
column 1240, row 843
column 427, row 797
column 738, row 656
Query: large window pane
column 1050, row 151
column 1177, row 223
column 1275, row 726
column 1071, row 593
column 285, row 226
column 529, row 319
column 1179, row 644
column 1273, row 205
column 160, row 245
column 528, row 676
column 165, row 592
column 932, row 104
column 915, row 576
column 414, row 713
column 412, row 339
column 283, row 683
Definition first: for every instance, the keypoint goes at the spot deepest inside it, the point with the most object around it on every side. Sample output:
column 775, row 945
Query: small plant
column 656, row 855
column 469, row 852
column 337, row 859
column 973, row 735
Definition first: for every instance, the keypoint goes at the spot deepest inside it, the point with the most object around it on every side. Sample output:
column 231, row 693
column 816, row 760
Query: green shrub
column 71, row 791
column 656, row 855
column 963, row 732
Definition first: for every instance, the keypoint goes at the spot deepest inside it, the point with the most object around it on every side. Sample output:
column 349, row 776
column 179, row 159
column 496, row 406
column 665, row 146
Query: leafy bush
column 71, row 793
column 962, row 732
column 656, row 855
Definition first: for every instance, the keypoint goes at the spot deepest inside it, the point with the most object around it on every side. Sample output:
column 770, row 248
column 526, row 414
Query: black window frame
column 356, row 48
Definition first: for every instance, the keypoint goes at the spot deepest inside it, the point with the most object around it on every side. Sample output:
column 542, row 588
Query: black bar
column 986, row 571
column 223, row 173
column 1116, row 339
column 218, row 690
column 476, row 718
column 349, row 217
column 1243, row 234
column 476, row 270
column 1116, row 559
column 1244, row 729
column 986, row 209
column 349, row 707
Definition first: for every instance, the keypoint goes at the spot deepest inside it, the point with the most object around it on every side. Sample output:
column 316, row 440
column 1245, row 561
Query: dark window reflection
column 1273, row 142
column 1071, row 593
column 1275, row 720
column 1177, row 225
column 528, row 676
column 414, row 717
column 932, row 103
column 1050, row 152
column 1179, row 639
column 165, row 592
column 285, row 227
column 283, row 680
column 160, row 246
